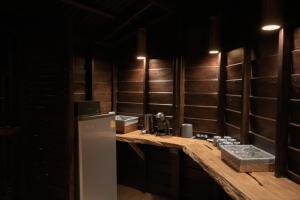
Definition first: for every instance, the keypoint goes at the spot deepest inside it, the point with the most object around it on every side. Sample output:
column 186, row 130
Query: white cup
column 187, row 130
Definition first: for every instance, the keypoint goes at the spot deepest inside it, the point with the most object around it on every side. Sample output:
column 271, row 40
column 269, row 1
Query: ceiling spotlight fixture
column 271, row 15
column 141, row 44
column 214, row 41
column 213, row 51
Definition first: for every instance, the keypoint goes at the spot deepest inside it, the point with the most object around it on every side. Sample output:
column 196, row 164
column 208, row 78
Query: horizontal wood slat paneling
column 159, row 64
column 233, row 92
column 293, row 152
column 200, row 112
column 201, row 93
column 102, row 81
column 233, row 131
column 295, row 111
column 202, row 125
column 200, row 73
column 201, row 99
column 264, row 91
column 234, row 71
column 234, row 102
column 294, row 135
column 132, row 75
column 162, row 86
column 134, row 97
column 294, row 160
column 263, row 126
column 296, row 62
column 233, row 117
column 167, row 109
column 264, row 87
column 235, row 56
column 263, row 143
column 160, row 91
column 266, row 66
column 130, row 89
column 130, row 107
column 160, row 74
column 295, row 85
column 130, row 86
column 234, row 87
column 162, row 98
column 201, row 86
column 264, row 107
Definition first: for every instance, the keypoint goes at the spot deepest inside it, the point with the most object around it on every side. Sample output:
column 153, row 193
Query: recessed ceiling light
column 213, row 51
column 141, row 57
column 271, row 27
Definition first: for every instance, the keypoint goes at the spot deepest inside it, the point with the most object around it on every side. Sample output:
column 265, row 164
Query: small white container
column 187, row 130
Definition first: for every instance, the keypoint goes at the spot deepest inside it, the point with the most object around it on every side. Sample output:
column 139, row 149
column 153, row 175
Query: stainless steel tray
column 247, row 158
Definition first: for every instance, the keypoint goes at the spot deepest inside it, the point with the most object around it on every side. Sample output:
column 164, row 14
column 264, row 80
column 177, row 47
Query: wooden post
column 284, row 71
column 114, row 81
column 246, row 75
column 146, row 86
column 221, row 93
column 89, row 67
column 178, row 99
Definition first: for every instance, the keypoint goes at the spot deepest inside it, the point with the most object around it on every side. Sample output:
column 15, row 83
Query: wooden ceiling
column 113, row 20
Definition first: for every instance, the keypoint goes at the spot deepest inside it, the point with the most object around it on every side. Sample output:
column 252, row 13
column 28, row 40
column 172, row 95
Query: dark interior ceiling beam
column 167, row 5
column 132, row 33
column 89, row 9
column 126, row 22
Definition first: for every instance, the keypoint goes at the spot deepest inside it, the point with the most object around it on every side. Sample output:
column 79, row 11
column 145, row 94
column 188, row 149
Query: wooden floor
column 128, row 193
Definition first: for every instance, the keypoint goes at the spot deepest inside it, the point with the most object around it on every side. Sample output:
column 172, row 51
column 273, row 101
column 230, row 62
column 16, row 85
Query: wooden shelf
column 255, row 186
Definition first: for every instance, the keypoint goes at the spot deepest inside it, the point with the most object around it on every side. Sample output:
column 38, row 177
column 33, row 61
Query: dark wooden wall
column 201, row 93
column 264, row 91
column 79, row 70
column 45, row 103
column 293, row 151
column 102, row 80
column 234, row 88
column 130, row 92
column 160, row 87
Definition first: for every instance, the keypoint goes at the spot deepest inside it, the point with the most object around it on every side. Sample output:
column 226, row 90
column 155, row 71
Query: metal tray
column 247, row 158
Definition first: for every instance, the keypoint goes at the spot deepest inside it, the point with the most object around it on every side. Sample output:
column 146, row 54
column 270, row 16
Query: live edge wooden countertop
column 255, row 186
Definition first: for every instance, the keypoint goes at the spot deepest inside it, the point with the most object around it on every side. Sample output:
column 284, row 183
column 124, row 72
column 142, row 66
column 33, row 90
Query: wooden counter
column 256, row 185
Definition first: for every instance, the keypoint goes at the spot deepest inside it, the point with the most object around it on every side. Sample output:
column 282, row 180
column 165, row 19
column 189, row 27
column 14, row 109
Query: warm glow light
column 270, row 27
column 213, row 52
column 141, row 57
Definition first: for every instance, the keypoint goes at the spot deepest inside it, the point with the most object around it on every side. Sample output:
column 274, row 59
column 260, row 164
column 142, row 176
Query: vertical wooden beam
column 246, row 75
column 89, row 67
column 221, row 93
column 146, row 85
column 72, row 178
column 179, row 78
column 178, row 91
column 114, row 93
column 284, row 71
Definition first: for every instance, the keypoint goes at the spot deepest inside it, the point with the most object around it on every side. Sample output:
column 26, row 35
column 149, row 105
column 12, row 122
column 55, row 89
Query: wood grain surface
column 255, row 186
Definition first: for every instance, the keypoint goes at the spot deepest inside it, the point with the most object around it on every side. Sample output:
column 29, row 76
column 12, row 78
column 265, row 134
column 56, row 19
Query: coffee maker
column 163, row 125
column 148, row 123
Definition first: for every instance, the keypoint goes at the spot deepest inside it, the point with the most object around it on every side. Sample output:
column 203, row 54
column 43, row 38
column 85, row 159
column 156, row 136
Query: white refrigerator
column 97, row 157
